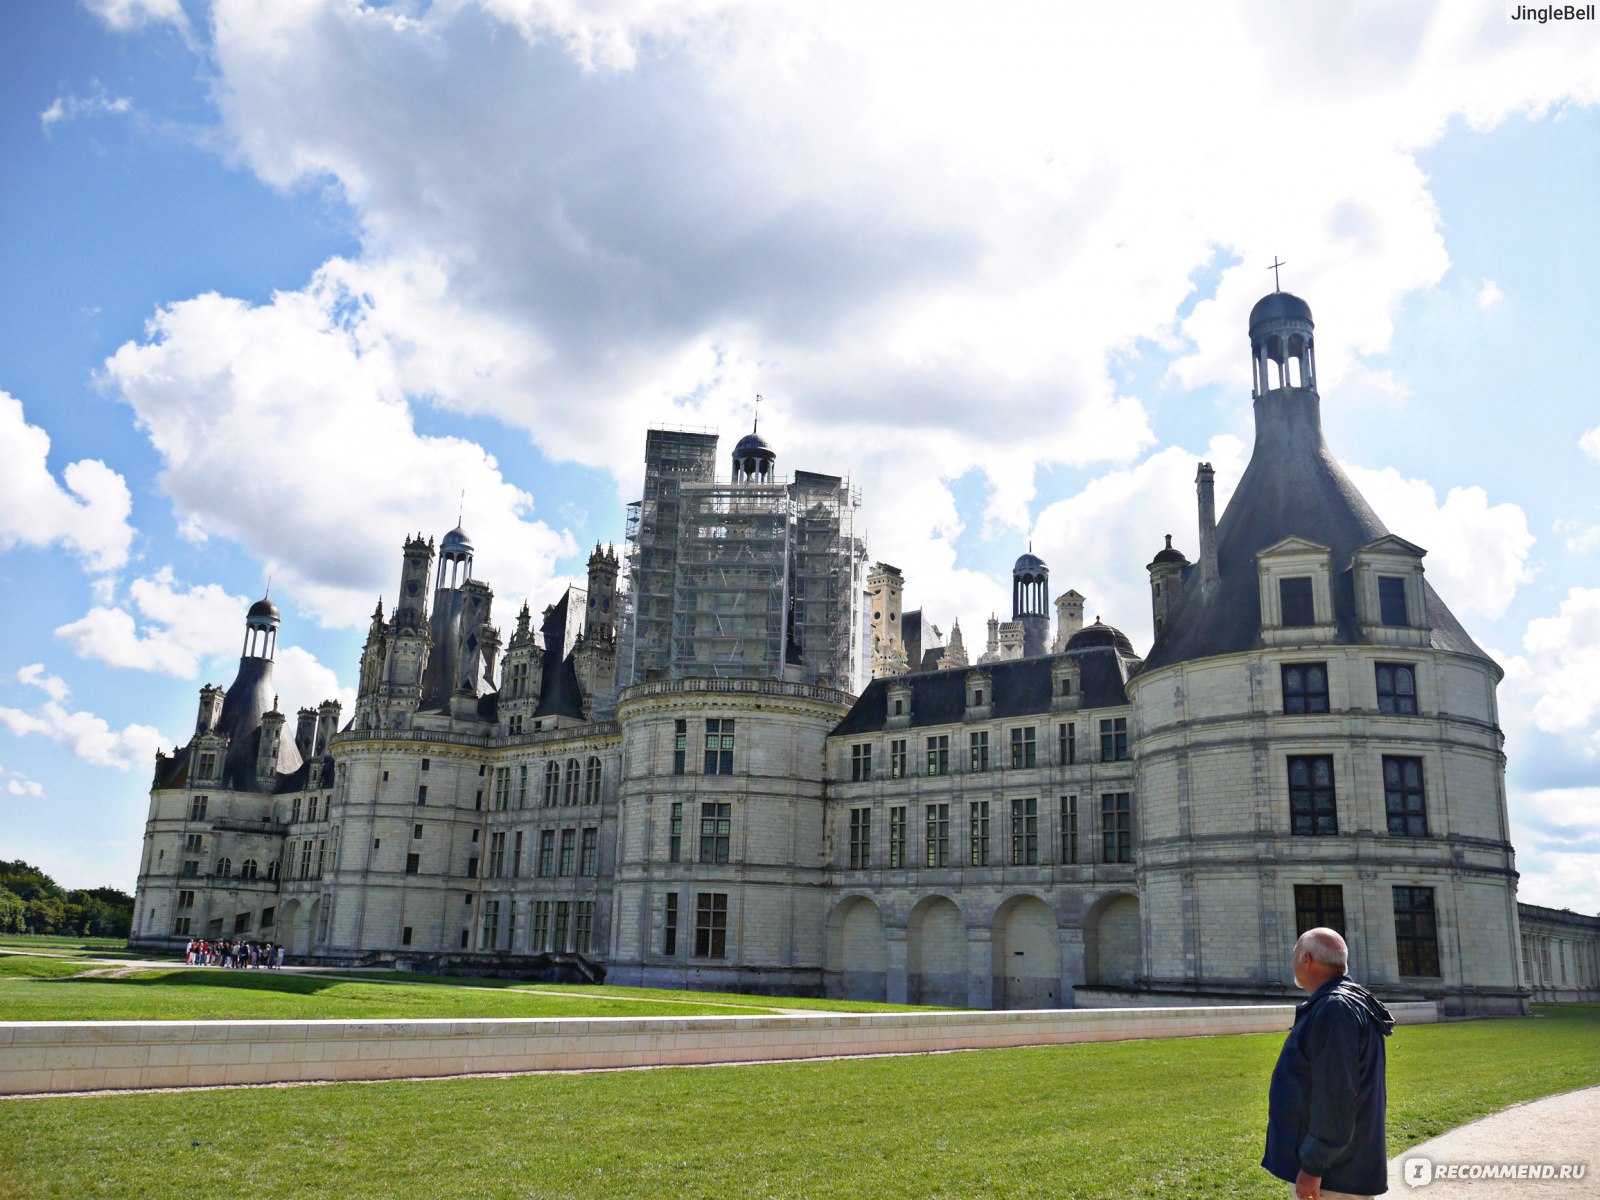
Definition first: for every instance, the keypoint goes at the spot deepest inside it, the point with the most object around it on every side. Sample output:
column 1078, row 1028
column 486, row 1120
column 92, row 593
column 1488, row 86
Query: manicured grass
column 1130, row 1119
column 33, row 941
column 30, row 966
column 215, row 994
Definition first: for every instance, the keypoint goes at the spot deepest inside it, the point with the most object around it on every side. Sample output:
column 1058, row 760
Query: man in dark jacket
column 1326, row 1105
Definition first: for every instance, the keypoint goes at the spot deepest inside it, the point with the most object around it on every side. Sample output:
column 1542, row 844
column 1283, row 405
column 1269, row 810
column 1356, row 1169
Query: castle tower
column 1167, row 570
column 1332, row 676
column 522, row 678
column 885, row 587
column 1030, row 603
column 411, row 609
column 754, row 461
column 440, row 679
column 601, row 620
column 955, row 653
column 595, row 657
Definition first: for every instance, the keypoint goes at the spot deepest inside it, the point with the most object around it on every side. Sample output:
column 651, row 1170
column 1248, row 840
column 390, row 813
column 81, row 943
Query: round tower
column 1281, row 349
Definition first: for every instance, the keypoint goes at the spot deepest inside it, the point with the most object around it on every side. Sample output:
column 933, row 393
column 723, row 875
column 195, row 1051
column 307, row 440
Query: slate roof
column 1020, row 686
column 1293, row 487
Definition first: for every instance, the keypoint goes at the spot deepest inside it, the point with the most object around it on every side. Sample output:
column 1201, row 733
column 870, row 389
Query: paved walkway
column 1550, row 1133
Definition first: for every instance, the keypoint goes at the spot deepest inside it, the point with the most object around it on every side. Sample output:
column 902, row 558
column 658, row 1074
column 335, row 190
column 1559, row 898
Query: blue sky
column 283, row 279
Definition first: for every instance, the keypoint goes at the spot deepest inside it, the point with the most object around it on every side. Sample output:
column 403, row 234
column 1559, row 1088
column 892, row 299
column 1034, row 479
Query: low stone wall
column 52, row 1056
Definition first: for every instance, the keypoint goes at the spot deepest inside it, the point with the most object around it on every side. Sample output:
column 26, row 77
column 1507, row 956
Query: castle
column 687, row 781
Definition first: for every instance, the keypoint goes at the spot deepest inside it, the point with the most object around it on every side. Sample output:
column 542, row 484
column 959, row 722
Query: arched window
column 591, row 781
column 552, row 783
column 272, row 872
column 224, row 867
column 247, row 869
column 572, row 782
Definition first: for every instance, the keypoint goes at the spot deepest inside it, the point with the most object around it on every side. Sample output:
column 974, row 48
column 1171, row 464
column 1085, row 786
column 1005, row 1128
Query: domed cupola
column 455, row 559
column 754, row 461
column 261, row 629
column 1280, row 344
column 1030, row 602
column 1101, row 635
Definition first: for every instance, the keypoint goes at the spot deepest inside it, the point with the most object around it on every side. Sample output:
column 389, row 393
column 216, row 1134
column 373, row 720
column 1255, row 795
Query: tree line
column 32, row 902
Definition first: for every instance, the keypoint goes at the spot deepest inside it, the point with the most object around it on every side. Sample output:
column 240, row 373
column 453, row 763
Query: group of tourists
column 235, row 955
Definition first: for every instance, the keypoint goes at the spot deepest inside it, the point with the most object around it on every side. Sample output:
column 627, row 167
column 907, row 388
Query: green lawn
column 1095, row 1122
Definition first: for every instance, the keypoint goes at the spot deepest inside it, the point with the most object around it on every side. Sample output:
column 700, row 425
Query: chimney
column 1205, row 486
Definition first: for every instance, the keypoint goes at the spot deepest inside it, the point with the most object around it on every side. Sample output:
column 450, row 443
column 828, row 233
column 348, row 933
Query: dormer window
column 977, row 697
column 1295, row 601
column 1392, row 600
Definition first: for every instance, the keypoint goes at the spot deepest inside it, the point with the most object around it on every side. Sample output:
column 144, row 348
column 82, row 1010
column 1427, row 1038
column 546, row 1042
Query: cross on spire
column 1275, row 265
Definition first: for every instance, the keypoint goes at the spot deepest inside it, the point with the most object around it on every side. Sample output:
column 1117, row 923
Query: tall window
column 716, row 828
column 1116, row 827
column 1114, row 740
column 1024, row 752
column 516, row 854
column 680, row 750
column 978, row 831
column 247, row 869
column 589, row 856
column 1311, row 802
column 207, row 766
column 1318, row 906
column 322, row 853
column 558, row 940
column 497, row 855
column 547, row 852
column 978, row 745
column 719, row 746
column 897, row 836
column 861, row 762
column 489, row 934
column 569, row 851
column 1397, row 689
column 413, row 863
column 311, row 814
column 552, row 783
column 1024, row 832
column 711, row 925
column 675, row 833
column 502, row 789
column 1067, row 736
column 939, row 755
column 860, row 839
column 583, row 926
column 1069, row 829
column 669, row 926
column 522, row 786
column 541, row 927
column 225, row 866
column 422, row 794
column 294, row 811
column 1305, row 687
column 1294, row 599
column 591, row 781
column 197, row 809
column 938, row 835
column 570, row 796
column 1392, row 600
column 1403, row 796
column 1416, row 933
column 897, row 758
column 305, row 859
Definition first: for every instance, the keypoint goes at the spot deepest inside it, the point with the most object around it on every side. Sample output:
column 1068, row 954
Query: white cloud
column 1589, row 443
column 1558, row 666
column 1579, row 537
column 1477, row 551
column 177, row 627
column 1557, row 835
column 18, row 784
column 1490, row 294
column 84, row 734
column 284, row 427
column 303, row 682
column 89, row 515
column 68, row 107
column 123, row 15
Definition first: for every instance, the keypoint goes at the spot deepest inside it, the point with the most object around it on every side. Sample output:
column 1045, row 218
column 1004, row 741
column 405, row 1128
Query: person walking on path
column 1325, row 1107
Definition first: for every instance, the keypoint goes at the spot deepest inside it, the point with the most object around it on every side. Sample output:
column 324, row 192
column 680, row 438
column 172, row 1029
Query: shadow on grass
column 218, row 978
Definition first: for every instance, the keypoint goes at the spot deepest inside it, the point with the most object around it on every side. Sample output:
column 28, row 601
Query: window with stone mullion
column 1313, row 807
column 1305, row 687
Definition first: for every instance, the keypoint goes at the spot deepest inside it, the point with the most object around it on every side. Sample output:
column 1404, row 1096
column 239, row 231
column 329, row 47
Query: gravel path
column 1556, row 1131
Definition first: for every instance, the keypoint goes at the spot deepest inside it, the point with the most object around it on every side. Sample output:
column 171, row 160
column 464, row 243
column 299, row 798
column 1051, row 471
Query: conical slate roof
column 1293, row 487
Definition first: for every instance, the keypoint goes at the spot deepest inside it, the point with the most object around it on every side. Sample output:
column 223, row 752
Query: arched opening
column 936, row 954
column 310, row 930
column 291, row 926
column 857, row 953
column 1111, row 947
column 1027, row 955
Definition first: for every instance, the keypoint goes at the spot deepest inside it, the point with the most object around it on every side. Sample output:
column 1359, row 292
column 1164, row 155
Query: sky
column 287, row 281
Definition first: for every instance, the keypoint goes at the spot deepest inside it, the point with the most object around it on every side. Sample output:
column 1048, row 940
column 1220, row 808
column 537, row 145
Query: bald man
column 1326, row 1105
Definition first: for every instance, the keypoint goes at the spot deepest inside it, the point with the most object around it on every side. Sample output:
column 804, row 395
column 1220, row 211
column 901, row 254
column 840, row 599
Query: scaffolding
column 826, row 578
column 672, row 458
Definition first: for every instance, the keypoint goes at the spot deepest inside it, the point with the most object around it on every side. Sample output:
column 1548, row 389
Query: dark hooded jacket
column 1326, row 1104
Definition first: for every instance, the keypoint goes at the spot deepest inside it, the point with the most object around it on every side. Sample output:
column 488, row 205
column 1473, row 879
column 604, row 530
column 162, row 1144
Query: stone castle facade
column 681, row 777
